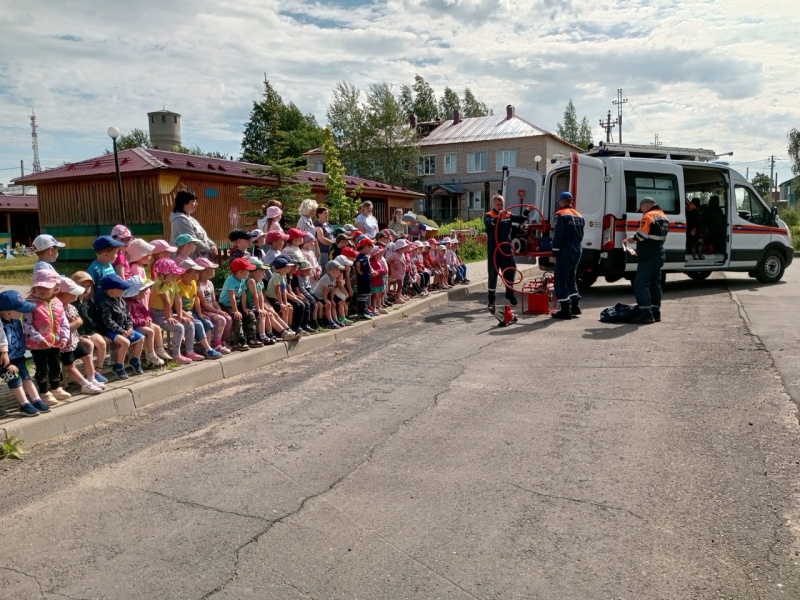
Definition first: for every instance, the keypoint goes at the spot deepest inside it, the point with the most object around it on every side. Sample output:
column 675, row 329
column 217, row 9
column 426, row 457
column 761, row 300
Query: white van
column 741, row 233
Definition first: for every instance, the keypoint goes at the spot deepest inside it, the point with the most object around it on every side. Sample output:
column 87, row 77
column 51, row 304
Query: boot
column 657, row 314
column 512, row 298
column 645, row 317
column 564, row 311
column 574, row 308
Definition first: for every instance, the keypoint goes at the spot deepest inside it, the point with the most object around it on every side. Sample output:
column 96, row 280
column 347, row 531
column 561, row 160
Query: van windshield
column 662, row 187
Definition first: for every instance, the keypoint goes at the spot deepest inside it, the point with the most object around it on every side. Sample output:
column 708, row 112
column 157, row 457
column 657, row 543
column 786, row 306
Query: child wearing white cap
column 77, row 348
column 46, row 249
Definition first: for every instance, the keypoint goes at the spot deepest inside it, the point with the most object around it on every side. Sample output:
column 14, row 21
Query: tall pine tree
column 449, row 104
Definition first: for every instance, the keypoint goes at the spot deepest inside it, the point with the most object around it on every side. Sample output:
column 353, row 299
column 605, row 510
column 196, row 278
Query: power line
column 640, row 118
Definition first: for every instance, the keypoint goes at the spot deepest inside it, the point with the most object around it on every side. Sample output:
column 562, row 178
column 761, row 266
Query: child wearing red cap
column 364, row 274
column 233, row 300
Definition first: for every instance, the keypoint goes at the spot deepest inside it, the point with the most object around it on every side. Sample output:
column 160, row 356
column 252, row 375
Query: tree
column 341, row 208
column 287, row 189
column 373, row 136
column 135, row 138
column 762, row 183
column 585, row 134
column 572, row 132
column 449, row 104
column 425, row 106
column 474, row 108
column 276, row 130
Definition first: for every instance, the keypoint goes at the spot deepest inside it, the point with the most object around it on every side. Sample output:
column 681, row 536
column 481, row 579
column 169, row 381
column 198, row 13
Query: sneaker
column 268, row 341
column 194, row 356
column 345, row 321
column 119, row 371
column 136, row 365
column 254, row 343
column 223, row 349
column 335, row 325
column 383, row 311
column 100, row 379
column 288, row 334
column 61, row 394
column 40, row 406
column 241, row 346
column 369, row 314
column 213, row 354
column 182, row 360
column 163, row 354
column 154, row 359
column 48, row 399
column 365, row 317
column 310, row 329
column 102, row 386
column 91, row 388
column 29, row 410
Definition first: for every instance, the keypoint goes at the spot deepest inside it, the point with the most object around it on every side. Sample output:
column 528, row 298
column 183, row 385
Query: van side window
column 750, row 207
column 662, row 187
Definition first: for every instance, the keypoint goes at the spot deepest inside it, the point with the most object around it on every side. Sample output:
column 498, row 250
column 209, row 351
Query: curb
column 120, row 398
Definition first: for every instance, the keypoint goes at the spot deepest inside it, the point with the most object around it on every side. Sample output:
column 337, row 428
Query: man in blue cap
column 567, row 239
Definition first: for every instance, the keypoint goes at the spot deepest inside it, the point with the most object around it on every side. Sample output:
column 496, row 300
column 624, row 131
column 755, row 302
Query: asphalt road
column 445, row 458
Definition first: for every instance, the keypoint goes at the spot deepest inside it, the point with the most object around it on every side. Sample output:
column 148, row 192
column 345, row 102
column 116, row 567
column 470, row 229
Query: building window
column 476, row 200
column 506, row 158
column 450, row 163
column 427, row 165
column 319, row 167
column 152, row 119
column 175, row 119
column 476, row 162
column 163, row 118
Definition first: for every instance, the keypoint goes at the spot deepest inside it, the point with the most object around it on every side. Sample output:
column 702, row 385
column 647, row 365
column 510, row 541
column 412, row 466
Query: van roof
column 664, row 152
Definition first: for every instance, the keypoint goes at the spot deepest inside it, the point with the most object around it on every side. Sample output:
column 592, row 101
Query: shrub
column 790, row 215
column 476, row 224
column 472, row 250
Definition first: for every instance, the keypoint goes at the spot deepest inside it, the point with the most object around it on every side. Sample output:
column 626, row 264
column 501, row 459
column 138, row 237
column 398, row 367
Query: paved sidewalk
column 137, row 391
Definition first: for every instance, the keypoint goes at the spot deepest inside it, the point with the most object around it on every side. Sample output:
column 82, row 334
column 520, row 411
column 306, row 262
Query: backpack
column 619, row 313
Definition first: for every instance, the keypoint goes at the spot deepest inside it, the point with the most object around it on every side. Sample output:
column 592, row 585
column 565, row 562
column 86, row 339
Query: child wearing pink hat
column 165, row 302
column 161, row 249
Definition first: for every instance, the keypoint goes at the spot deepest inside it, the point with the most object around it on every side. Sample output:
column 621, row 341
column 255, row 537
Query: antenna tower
column 37, row 167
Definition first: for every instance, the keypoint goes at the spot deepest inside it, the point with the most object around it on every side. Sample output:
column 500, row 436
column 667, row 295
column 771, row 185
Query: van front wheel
column 770, row 268
column 698, row 275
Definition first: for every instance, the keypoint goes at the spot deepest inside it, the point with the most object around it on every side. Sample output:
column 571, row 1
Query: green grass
column 20, row 270
column 476, row 224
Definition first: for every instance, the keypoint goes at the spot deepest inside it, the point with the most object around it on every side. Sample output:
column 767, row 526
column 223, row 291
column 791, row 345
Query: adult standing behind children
column 366, row 221
column 397, row 224
column 181, row 221
column 325, row 237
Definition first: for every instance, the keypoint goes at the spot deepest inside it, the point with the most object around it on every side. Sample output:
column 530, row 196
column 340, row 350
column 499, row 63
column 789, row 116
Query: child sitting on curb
column 161, row 249
column 301, row 287
column 191, row 314
column 276, row 293
column 254, row 302
column 277, row 241
column 241, row 241
column 88, row 328
column 46, row 334
column 12, row 355
column 364, row 275
column 117, row 324
column 75, row 348
column 138, row 252
column 230, row 300
column 186, row 245
column 221, row 320
column 259, row 239
column 162, row 304
column 377, row 264
column 323, row 293
column 134, row 297
column 121, row 264
column 46, row 249
column 106, row 249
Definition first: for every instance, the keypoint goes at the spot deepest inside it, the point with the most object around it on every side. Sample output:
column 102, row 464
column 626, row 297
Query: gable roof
column 480, row 129
column 140, row 160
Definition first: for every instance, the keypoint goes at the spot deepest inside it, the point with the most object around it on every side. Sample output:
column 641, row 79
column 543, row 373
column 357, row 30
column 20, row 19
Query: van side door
column 662, row 181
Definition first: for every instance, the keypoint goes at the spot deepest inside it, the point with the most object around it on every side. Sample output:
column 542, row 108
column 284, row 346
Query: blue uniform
column 567, row 239
column 500, row 235
column 650, row 237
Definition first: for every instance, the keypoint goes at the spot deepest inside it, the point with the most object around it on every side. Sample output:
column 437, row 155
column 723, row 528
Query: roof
column 18, row 202
column 480, row 129
column 141, row 160
column 314, row 151
column 450, row 187
column 795, row 178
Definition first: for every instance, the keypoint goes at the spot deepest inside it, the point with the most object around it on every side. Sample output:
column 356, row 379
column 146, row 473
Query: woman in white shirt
column 366, row 222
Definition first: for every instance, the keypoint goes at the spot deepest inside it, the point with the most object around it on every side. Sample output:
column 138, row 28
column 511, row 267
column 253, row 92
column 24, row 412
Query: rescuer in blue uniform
column 649, row 238
column 496, row 235
column 567, row 239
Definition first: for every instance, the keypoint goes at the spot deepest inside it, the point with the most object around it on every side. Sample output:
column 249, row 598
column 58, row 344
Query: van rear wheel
column 698, row 275
column 771, row 267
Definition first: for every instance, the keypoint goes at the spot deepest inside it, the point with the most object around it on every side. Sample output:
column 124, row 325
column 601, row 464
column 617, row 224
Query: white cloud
column 698, row 72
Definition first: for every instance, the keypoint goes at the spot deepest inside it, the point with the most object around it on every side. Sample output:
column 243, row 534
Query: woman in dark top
column 325, row 237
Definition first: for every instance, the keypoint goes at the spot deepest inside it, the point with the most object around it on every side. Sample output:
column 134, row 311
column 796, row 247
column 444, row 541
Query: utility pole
column 771, row 174
column 22, row 173
column 619, row 102
column 657, row 143
column 608, row 125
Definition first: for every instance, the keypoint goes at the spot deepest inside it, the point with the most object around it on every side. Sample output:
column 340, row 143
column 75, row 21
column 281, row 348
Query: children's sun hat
column 167, row 266
column 160, row 246
column 138, row 249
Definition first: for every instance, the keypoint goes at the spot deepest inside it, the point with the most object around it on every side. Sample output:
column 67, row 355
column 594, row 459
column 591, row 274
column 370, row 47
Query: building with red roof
column 79, row 201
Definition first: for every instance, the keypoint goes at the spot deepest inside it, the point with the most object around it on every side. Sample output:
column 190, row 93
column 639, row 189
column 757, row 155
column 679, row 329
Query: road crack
column 24, row 574
column 578, row 501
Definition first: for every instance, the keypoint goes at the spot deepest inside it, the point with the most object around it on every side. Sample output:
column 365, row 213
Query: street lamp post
column 537, row 159
column 113, row 133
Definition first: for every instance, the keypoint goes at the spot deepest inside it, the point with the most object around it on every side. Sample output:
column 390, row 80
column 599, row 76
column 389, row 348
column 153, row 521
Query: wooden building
column 19, row 218
column 79, row 201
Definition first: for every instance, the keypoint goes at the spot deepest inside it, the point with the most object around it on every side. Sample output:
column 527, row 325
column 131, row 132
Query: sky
column 718, row 74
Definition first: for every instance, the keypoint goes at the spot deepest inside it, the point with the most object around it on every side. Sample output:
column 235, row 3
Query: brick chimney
column 456, row 117
column 414, row 122
column 509, row 112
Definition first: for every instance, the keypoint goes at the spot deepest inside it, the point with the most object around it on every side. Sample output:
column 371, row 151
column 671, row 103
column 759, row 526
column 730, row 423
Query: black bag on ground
column 619, row 313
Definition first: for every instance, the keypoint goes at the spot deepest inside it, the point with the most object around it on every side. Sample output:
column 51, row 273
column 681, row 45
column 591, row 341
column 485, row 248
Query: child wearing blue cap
column 106, row 249
column 116, row 324
column 12, row 355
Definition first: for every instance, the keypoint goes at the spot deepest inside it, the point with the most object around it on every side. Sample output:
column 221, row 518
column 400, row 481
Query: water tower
column 165, row 129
